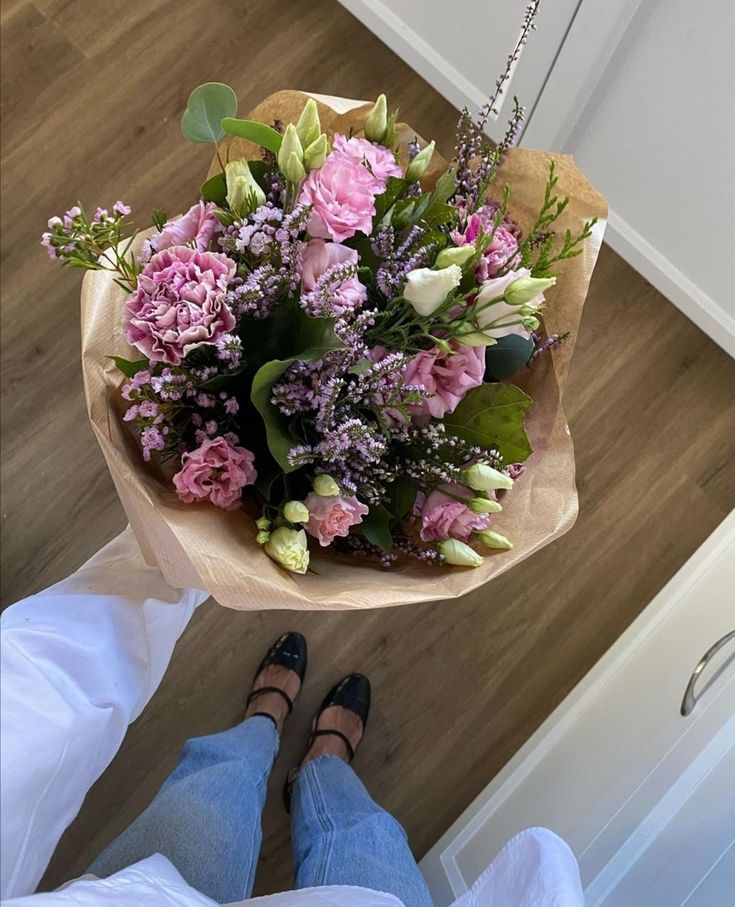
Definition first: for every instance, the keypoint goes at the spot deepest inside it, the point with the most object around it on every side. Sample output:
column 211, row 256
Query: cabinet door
column 461, row 47
column 644, row 795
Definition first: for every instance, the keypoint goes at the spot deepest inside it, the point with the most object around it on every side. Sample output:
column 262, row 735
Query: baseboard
column 671, row 282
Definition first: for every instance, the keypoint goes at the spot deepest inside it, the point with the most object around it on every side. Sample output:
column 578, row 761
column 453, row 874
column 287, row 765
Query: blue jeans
column 206, row 820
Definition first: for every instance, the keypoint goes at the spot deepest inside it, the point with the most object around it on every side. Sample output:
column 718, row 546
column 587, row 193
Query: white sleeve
column 79, row 663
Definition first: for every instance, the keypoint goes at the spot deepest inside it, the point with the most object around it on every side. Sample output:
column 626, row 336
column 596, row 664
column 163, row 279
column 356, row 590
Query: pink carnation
column 447, row 377
column 179, row 303
column 379, row 162
column 330, row 517
column 217, row 472
column 319, row 257
column 444, row 517
column 341, row 195
column 501, row 252
column 198, row 225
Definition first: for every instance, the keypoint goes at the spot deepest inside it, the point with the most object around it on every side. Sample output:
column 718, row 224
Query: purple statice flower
column 232, row 407
column 399, row 256
column 228, row 349
column 259, row 293
column 170, row 385
column 121, row 208
column 152, row 439
column 329, row 296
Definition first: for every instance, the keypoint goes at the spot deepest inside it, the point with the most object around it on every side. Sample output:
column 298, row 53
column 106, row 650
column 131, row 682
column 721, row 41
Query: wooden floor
column 91, row 105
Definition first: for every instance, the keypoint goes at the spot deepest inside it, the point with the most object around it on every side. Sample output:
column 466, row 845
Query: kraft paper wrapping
column 198, row 545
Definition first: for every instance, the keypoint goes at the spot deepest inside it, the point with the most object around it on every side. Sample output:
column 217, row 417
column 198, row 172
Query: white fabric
column 79, row 663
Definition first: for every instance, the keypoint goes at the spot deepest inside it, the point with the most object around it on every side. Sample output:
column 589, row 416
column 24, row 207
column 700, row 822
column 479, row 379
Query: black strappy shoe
column 289, row 651
column 353, row 693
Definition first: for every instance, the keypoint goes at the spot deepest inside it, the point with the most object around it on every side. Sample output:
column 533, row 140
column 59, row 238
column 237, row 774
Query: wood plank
column 91, row 109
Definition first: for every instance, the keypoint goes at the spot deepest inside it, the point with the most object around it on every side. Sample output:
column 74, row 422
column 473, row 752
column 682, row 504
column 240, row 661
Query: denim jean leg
column 206, row 817
column 341, row 836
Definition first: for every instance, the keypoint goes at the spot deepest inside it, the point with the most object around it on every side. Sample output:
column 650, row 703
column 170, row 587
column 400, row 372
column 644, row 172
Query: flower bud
column 484, row 505
column 459, row 554
column 420, row 164
column 308, row 126
column 482, row 477
column 376, row 122
column 454, row 255
column 263, row 522
column 426, row 290
column 288, row 548
column 525, row 289
column 316, row 153
column 492, row 539
column 296, row 512
column 530, row 323
column 469, row 336
column 262, row 537
column 291, row 155
column 243, row 193
column 325, row 486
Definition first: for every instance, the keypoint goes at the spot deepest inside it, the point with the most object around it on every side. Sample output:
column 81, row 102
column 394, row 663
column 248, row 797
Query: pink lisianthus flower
column 501, row 252
column 217, row 472
column 318, row 258
column 444, row 517
column 333, row 516
column 447, row 377
column 341, row 194
column 199, row 226
column 179, row 303
column 379, row 162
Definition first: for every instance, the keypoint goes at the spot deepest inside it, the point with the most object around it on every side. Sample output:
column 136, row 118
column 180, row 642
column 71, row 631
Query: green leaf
column 207, row 106
column 394, row 188
column 492, row 416
column 507, row 356
column 215, row 189
column 375, row 526
column 265, row 136
column 404, row 496
column 129, row 367
column 445, row 187
column 303, row 339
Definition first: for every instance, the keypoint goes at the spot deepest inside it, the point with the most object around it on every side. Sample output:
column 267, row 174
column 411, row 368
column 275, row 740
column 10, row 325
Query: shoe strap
column 285, row 696
column 333, row 733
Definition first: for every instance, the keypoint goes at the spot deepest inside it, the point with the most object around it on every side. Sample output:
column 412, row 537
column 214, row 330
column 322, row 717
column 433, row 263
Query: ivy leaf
column 304, row 339
column 207, row 106
column 375, row 526
column 492, row 416
column 265, row 136
column 129, row 367
column 507, row 357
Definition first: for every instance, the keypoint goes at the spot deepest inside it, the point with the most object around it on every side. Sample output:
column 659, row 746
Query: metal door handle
column 690, row 700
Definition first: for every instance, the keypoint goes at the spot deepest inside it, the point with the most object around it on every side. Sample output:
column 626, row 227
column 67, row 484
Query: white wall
column 658, row 138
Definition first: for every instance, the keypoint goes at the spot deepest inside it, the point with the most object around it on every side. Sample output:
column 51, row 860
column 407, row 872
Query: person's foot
column 342, row 730
column 278, row 680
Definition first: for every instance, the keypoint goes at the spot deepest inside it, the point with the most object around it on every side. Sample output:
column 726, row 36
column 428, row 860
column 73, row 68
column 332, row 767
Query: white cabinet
column 644, row 795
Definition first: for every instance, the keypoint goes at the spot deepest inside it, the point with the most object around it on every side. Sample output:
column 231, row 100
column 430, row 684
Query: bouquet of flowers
column 320, row 348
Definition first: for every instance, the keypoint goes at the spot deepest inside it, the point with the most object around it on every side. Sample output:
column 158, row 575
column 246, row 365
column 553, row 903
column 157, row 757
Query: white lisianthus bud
column 484, row 505
column 262, row 537
column 426, row 290
column 243, row 193
column 482, row 477
column 291, row 155
column 454, row 255
column 376, row 122
column 316, row 153
column 263, row 522
column 296, row 512
column 325, row 486
column 525, row 290
column 288, row 548
column 420, row 164
column 492, row 539
column 531, row 323
column 459, row 554
column 308, row 126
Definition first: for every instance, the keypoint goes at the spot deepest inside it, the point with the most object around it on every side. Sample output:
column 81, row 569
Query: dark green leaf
column 507, row 357
column 404, row 495
column 492, row 416
column 215, row 189
column 265, row 136
column 394, row 188
column 207, row 106
column 375, row 526
column 129, row 367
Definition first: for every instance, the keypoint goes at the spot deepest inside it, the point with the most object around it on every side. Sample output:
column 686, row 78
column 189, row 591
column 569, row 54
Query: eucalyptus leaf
column 265, row 136
column 375, row 526
column 207, row 106
column 507, row 357
column 129, row 367
column 492, row 416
